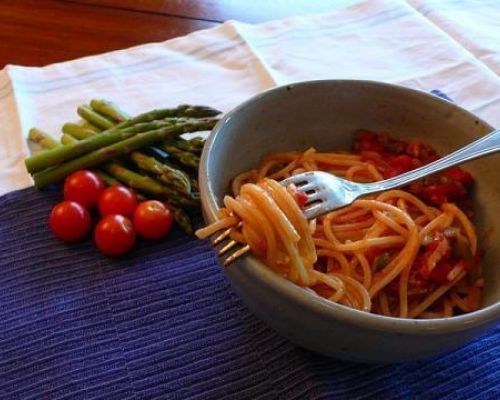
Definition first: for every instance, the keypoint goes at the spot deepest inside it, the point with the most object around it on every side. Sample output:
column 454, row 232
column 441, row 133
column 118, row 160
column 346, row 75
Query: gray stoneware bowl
column 324, row 114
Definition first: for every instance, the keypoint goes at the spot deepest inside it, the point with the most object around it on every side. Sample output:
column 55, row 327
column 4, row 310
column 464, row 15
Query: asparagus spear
column 78, row 131
column 56, row 156
column 182, row 220
column 183, row 157
column 147, row 121
column 90, row 115
column 38, row 136
column 111, row 181
column 116, row 149
column 107, row 179
column 194, row 145
column 185, row 111
column 87, row 125
column 67, row 139
column 108, row 110
column 163, row 172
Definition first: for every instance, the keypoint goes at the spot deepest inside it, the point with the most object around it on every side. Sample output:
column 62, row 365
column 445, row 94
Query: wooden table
column 40, row 32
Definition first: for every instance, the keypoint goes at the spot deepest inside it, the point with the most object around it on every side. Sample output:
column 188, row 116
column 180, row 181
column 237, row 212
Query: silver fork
column 225, row 244
column 327, row 192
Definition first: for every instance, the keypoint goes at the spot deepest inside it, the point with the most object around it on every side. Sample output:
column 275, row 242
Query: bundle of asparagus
column 146, row 153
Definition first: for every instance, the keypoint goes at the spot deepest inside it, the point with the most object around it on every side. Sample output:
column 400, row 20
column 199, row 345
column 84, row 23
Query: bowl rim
column 321, row 306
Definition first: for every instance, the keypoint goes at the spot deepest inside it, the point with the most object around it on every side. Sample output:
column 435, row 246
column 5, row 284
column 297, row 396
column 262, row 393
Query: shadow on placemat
column 164, row 323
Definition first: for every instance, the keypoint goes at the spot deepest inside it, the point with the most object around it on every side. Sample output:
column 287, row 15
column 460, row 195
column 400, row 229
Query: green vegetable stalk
column 94, row 118
column 184, row 157
column 78, row 131
column 49, row 158
column 194, row 145
column 164, row 173
column 38, row 136
column 117, row 149
column 108, row 110
column 182, row 220
column 183, row 111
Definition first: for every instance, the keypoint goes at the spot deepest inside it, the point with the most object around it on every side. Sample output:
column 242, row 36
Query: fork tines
column 227, row 244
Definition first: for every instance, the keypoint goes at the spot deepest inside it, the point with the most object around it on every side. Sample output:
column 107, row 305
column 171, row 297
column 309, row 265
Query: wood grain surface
column 40, row 32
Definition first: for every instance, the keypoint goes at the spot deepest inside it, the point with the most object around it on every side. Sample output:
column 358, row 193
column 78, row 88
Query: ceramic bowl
column 324, row 114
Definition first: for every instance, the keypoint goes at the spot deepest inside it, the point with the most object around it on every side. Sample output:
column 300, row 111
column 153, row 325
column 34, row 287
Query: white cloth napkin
column 475, row 24
column 381, row 40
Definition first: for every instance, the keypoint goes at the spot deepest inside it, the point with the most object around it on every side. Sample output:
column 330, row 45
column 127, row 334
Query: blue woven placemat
column 165, row 324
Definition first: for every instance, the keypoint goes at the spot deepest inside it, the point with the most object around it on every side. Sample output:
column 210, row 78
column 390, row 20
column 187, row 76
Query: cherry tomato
column 84, row 187
column 152, row 219
column 117, row 200
column 114, row 235
column 69, row 221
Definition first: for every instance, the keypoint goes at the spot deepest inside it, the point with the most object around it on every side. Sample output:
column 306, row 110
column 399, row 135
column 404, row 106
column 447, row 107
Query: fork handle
column 487, row 144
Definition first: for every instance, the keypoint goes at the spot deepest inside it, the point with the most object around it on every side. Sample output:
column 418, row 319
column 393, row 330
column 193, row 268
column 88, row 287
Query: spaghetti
column 404, row 253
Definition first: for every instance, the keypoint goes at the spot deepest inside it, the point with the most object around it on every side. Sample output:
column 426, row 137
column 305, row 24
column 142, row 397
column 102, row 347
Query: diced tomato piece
column 439, row 241
column 459, row 175
column 402, row 163
column 370, row 145
column 429, row 158
column 301, row 198
column 416, row 163
column 440, row 273
column 442, row 193
column 391, row 173
column 413, row 148
column 322, row 165
column 371, row 156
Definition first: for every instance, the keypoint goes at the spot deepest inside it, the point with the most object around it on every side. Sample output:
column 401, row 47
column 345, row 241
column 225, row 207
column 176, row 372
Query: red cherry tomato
column 84, row 187
column 69, row 221
column 152, row 219
column 117, row 200
column 114, row 235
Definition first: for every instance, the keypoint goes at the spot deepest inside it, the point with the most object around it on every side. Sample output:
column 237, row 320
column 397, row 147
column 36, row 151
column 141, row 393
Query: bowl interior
column 325, row 114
